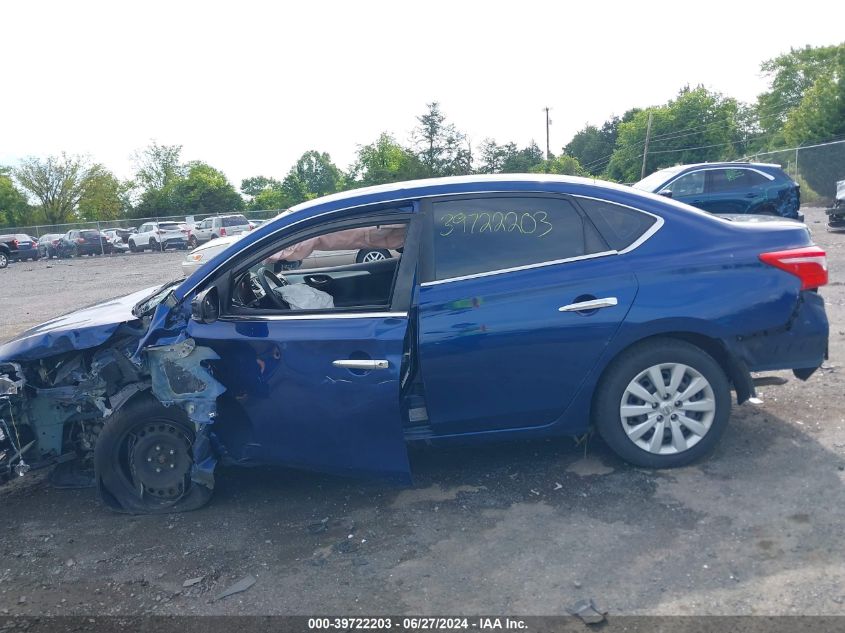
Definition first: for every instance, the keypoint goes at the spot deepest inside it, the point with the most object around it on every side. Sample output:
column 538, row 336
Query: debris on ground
column 190, row 582
column 320, row 526
column 587, row 612
column 242, row 585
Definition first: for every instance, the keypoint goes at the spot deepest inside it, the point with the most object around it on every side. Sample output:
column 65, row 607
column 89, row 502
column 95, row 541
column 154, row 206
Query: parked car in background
column 218, row 226
column 117, row 243
column 729, row 188
column 19, row 247
column 78, row 242
column 49, row 245
column 5, row 252
column 16, row 247
column 157, row 236
column 121, row 233
column 317, row 258
column 836, row 214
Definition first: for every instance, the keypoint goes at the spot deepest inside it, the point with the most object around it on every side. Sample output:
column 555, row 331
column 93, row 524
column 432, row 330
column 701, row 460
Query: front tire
column 663, row 403
column 143, row 460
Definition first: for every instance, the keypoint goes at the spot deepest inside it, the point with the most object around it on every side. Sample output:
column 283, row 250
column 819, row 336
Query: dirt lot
column 524, row 528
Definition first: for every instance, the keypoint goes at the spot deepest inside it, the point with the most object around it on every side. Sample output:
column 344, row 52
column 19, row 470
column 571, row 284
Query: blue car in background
column 519, row 306
column 729, row 188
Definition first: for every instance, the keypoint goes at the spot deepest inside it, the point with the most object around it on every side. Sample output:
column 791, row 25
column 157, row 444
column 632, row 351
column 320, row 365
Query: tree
column 440, row 147
column 563, row 165
column 696, row 126
column 385, row 161
column 204, row 189
column 104, row 197
column 58, row 182
column 313, row 175
column 524, row 160
column 255, row 185
column 820, row 116
column 157, row 166
column 14, row 208
column 792, row 74
column 593, row 146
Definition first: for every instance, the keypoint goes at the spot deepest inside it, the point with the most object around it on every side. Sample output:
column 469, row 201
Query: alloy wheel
column 374, row 256
column 667, row 408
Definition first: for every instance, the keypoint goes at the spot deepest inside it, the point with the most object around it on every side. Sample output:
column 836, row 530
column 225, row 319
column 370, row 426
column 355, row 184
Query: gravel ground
column 517, row 528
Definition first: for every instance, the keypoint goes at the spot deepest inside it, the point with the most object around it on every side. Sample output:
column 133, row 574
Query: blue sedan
column 517, row 306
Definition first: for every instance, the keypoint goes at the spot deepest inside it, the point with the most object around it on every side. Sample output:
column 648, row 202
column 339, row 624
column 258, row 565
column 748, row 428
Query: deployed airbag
column 304, row 297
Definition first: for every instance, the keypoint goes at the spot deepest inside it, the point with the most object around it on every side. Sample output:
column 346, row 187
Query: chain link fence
column 37, row 230
column 817, row 168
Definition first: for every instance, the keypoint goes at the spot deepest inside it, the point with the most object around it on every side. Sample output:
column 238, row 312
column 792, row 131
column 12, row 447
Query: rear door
column 521, row 296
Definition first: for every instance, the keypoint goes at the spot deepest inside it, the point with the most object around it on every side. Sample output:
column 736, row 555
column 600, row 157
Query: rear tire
column 4, row 260
column 668, row 425
column 154, row 246
column 143, row 460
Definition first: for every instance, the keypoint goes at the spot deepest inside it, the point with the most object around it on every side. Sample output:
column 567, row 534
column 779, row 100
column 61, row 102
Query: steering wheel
column 268, row 280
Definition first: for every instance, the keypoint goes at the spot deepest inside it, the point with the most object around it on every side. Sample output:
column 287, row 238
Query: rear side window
column 723, row 180
column 619, row 226
column 486, row 234
column 237, row 220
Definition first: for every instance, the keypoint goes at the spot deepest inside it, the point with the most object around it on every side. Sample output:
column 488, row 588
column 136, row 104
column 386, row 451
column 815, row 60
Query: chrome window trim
column 313, row 316
column 654, row 228
column 502, row 271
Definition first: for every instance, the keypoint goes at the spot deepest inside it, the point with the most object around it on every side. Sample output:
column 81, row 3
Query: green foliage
column 594, row 146
column 257, row 184
column 385, row 161
column 14, row 208
column 792, row 74
column 173, row 188
column 57, row 182
column 205, row 190
column 313, row 175
column 440, row 147
column 157, row 166
column 562, row 165
column 697, row 126
column 105, row 197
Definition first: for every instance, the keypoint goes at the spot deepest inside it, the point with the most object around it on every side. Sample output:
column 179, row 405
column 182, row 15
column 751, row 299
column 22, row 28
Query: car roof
column 724, row 164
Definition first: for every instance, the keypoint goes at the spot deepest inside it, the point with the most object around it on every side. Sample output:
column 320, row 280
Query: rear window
column 619, row 226
column 169, row 226
column 491, row 234
column 89, row 234
column 235, row 220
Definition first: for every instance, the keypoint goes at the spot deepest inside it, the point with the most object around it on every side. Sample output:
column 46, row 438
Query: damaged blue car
column 511, row 307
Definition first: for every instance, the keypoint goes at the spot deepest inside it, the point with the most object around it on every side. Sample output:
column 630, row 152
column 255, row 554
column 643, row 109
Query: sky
column 249, row 86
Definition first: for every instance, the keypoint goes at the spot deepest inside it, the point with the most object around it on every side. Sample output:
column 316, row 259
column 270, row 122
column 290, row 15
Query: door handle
column 593, row 304
column 361, row 364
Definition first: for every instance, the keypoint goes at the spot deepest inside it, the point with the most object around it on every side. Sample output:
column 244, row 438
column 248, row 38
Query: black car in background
column 48, row 245
column 20, row 247
column 84, row 242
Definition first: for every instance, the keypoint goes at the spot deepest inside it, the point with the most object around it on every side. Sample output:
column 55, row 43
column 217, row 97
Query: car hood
column 83, row 329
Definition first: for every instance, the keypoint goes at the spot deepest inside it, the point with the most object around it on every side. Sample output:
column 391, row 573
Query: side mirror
column 665, row 192
column 205, row 307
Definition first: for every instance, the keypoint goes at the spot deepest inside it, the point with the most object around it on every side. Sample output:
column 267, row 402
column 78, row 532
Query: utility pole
column 548, row 123
column 645, row 149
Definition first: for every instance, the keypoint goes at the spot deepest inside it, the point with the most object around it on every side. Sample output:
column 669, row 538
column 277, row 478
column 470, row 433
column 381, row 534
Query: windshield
column 146, row 306
column 655, row 180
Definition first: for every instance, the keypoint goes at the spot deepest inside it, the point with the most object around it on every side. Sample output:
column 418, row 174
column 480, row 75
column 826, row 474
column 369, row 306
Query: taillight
column 222, row 231
column 809, row 264
column 55, row 242
column 14, row 244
